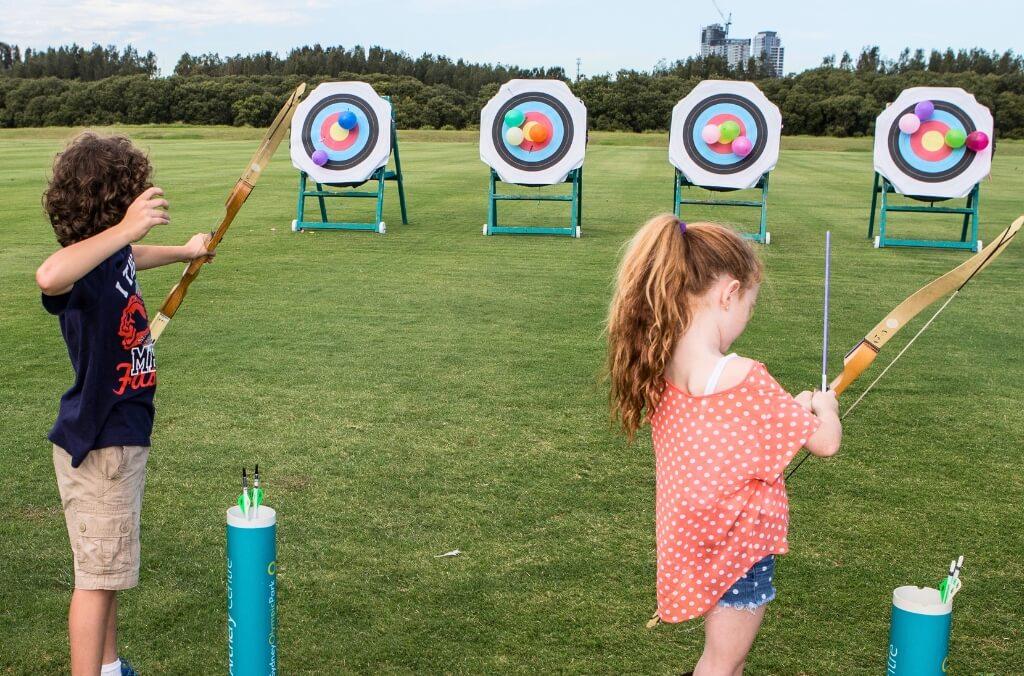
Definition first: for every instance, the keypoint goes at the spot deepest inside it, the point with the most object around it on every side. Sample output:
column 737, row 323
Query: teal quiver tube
column 918, row 633
column 252, row 592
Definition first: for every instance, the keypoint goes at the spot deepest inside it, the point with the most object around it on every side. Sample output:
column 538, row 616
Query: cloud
column 122, row 21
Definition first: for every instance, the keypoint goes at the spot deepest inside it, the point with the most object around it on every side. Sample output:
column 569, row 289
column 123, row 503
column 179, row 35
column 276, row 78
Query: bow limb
column 236, row 198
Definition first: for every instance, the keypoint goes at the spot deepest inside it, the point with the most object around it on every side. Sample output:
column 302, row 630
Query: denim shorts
column 754, row 589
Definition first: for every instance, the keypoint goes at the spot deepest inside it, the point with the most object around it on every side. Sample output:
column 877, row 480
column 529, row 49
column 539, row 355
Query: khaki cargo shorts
column 102, row 501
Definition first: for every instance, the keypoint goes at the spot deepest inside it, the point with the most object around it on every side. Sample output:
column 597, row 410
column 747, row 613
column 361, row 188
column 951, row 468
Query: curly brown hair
column 95, row 179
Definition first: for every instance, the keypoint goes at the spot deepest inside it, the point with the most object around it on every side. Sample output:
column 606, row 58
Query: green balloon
column 955, row 138
column 730, row 130
column 514, row 118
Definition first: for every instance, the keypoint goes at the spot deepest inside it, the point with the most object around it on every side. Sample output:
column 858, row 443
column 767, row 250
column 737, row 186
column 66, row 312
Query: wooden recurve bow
column 234, row 203
column 863, row 353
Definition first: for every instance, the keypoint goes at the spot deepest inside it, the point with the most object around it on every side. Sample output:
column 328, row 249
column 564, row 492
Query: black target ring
column 371, row 133
column 694, row 155
column 914, row 172
column 497, row 137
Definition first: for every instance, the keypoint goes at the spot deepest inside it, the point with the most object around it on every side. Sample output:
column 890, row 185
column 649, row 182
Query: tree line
column 841, row 97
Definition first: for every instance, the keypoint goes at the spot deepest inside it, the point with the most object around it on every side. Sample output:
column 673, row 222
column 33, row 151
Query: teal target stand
column 326, row 191
column 762, row 236
column 882, row 208
column 574, row 198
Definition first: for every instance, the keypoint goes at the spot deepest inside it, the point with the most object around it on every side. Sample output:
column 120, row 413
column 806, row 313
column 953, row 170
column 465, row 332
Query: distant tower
column 768, row 48
column 712, row 40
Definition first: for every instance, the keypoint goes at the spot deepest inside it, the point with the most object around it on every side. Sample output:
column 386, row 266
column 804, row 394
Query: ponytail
column 667, row 265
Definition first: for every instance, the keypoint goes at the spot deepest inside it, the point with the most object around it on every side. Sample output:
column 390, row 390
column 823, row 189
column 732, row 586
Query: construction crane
column 727, row 20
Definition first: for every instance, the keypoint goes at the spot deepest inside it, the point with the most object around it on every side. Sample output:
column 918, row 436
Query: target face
column 725, row 134
column 533, row 132
column 923, row 163
column 341, row 133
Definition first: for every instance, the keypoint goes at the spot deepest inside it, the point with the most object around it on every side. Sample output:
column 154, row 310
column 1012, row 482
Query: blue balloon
column 347, row 119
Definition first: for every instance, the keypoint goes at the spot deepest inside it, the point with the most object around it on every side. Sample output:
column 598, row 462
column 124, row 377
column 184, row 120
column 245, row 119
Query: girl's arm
column 63, row 268
column 826, row 439
column 147, row 256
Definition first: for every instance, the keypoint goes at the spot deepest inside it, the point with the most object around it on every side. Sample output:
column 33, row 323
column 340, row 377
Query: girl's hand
column 197, row 247
column 804, row 399
column 825, row 403
column 147, row 211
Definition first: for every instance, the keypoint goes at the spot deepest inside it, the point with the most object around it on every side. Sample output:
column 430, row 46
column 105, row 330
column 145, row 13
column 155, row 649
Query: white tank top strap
column 717, row 373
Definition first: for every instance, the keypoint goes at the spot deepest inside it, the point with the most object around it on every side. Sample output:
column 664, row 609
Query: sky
column 606, row 35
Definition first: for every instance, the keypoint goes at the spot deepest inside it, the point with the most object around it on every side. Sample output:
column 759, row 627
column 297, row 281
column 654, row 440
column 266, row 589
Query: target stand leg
column 327, row 191
column 762, row 236
column 574, row 198
column 969, row 212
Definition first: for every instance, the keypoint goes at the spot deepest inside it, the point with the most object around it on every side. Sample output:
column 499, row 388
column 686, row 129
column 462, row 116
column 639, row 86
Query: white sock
column 112, row 669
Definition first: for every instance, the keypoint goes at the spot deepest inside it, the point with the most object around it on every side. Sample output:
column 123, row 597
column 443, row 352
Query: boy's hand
column 197, row 247
column 824, row 403
column 147, row 211
column 804, row 399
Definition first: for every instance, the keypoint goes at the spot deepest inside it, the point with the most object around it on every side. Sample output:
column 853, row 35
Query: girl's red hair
column 661, row 274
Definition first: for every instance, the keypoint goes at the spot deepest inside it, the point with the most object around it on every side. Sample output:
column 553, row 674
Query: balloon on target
column 533, row 132
column 934, row 142
column 341, row 133
column 725, row 134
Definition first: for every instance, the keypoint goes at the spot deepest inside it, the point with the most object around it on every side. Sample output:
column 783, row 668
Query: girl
column 723, row 429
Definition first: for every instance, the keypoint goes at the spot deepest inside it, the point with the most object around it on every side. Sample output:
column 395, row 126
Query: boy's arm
column 147, row 256
column 63, row 268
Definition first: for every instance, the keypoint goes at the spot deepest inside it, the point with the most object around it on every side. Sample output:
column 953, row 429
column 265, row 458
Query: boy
column 99, row 201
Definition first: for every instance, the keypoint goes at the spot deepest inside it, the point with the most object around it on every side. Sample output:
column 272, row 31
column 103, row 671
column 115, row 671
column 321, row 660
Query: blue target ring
column 754, row 125
column 554, row 148
column 723, row 159
column 366, row 129
column 552, row 145
column 924, row 165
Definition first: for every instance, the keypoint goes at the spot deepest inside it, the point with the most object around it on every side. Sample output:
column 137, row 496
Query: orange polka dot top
column 720, row 500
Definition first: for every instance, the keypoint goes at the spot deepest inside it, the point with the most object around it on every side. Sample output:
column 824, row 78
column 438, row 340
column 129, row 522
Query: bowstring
column 996, row 248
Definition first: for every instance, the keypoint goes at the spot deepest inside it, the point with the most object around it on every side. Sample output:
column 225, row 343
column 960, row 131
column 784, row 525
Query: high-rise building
column 768, row 48
column 715, row 41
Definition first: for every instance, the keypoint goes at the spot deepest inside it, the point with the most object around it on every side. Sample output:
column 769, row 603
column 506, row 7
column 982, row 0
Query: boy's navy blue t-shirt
column 104, row 324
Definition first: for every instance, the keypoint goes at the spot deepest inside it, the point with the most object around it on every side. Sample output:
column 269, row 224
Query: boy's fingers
column 148, row 194
column 154, row 204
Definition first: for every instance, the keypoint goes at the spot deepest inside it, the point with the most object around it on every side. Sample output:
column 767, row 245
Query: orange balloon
column 528, row 129
column 539, row 134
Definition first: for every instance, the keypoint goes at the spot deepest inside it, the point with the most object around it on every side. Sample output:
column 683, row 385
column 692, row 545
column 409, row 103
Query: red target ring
column 725, row 148
column 541, row 119
column 327, row 138
column 929, row 141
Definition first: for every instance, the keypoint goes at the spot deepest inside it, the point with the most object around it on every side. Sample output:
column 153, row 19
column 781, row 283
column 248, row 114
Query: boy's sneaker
column 126, row 668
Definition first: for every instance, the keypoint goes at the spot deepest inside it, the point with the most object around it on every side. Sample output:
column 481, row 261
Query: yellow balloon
column 528, row 129
column 338, row 133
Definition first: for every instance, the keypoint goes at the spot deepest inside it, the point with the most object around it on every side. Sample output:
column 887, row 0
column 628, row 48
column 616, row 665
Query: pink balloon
column 711, row 134
column 742, row 146
column 910, row 123
column 977, row 141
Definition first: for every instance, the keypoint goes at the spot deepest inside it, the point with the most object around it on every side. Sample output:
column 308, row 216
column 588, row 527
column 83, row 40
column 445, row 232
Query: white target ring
column 533, row 132
column 341, row 133
column 920, row 161
column 735, row 160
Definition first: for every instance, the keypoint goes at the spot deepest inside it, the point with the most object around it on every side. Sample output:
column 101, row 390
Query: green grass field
column 434, row 389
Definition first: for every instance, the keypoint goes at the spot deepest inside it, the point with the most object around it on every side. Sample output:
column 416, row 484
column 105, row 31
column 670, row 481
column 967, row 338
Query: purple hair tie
column 682, row 227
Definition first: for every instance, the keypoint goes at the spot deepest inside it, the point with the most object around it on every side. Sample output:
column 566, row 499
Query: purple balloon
column 924, row 110
column 319, row 158
column 742, row 146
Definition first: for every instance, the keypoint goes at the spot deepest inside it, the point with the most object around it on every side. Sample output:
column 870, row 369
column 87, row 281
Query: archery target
column 533, row 132
column 922, row 163
column 341, row 133
column 724, row 162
